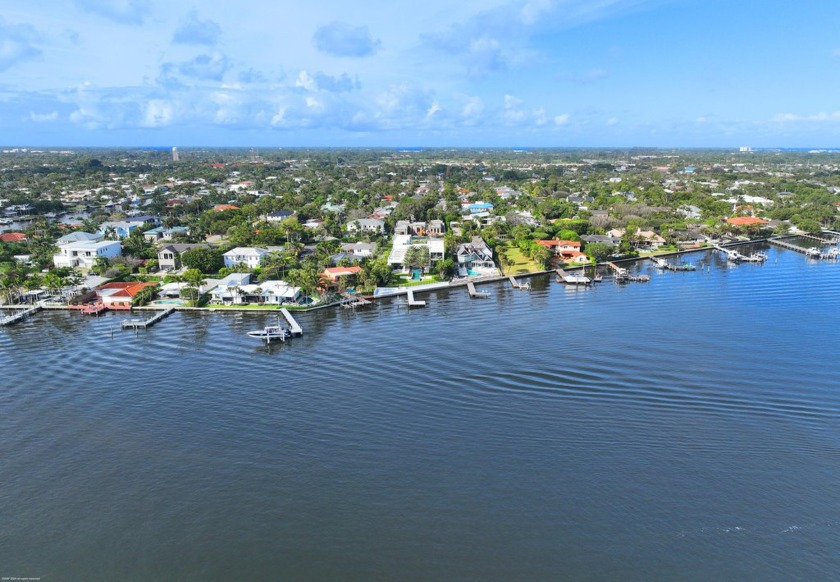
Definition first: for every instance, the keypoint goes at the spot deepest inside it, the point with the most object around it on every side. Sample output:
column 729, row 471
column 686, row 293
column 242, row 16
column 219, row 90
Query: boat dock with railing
column 146, row 323
column 811, row 252
column 20, row 315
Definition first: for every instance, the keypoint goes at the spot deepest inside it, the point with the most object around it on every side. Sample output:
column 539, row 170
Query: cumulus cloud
column 201, row 68
column 562, row 119
column 18, row 43
column 122, row 11
column 322, row 82
column 342, row 40
column 193, row 30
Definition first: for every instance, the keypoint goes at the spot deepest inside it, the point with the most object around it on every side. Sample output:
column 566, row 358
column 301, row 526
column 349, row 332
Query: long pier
column 294, row 327
column 476, row 294
column 20, row 315
column 812, row 252
column 141, row 323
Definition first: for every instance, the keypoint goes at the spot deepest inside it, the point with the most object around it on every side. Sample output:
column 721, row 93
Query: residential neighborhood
column 299, row 228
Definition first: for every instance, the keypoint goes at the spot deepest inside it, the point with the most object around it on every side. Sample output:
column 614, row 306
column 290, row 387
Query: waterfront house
column 120, row 294
column 270, row 292
column 475, row 258
column 334, row 274
column 84, row 254
column 251, row 257
column 403, row 242
column 228, row 291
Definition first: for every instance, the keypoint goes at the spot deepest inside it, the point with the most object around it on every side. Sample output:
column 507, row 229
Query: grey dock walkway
column 412, row 302
column 810, row 251
column 21, row 315
column 476, row 294
column 294, row 326
column 146, row 323
column 517, row 285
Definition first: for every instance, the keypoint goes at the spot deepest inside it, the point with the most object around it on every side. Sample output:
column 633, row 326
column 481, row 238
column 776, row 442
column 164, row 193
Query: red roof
column 548, row 243
column 12, row 237
column 568, row 243
column 225, row 207
column 745, row 220
column 127, row 288
column 333, row 272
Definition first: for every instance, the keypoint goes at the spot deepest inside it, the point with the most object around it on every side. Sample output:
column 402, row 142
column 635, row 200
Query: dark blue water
column 687, row 428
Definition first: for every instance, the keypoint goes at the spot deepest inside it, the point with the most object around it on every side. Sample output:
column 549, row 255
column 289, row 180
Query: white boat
column 814, row 253
column 270, row 333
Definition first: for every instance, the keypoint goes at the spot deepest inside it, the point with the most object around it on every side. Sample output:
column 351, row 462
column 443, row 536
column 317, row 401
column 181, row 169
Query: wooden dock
column 412, row 302
column 349, row 301
column 93, row 309
column 622, row 275
column 517, row 285
column 476, row 294
column 20, row 315
column 294, row 327
column 146, row 323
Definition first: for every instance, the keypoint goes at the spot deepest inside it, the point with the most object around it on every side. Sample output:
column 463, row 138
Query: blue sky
column 669, row 73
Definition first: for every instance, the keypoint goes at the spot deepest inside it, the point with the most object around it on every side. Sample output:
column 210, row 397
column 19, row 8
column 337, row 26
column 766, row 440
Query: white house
column 370, row 225
column 228, row 290
column 251, row 257
column 403, row 242
column 270, row 292
column 84, row 253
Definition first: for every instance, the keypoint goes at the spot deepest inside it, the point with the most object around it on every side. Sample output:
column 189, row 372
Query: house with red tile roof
column 222, row 207
column 12, row 237
column 746, row 221
column 120, row 294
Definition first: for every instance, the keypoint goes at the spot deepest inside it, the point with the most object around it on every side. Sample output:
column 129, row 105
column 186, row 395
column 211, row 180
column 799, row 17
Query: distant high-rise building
column 175, row 156
column 746, row 149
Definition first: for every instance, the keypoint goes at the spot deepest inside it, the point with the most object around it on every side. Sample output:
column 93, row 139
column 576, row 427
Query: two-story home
column 169, row 256
column 84, row 253
column 251, row 257
column 366, row 225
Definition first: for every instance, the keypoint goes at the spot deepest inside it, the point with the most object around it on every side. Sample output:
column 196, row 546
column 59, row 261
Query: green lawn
column 519, row 263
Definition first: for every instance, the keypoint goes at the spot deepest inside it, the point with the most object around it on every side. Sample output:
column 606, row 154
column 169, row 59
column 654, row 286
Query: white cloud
column 343, row 40
column 193, row 30
column 612, row 121
column 158, row 113
column 18, row 43
column 122, row 11
column 43, row 117
column 562, row 119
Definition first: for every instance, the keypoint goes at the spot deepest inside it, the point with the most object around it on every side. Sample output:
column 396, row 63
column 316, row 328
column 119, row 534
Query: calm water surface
column 683, row 429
